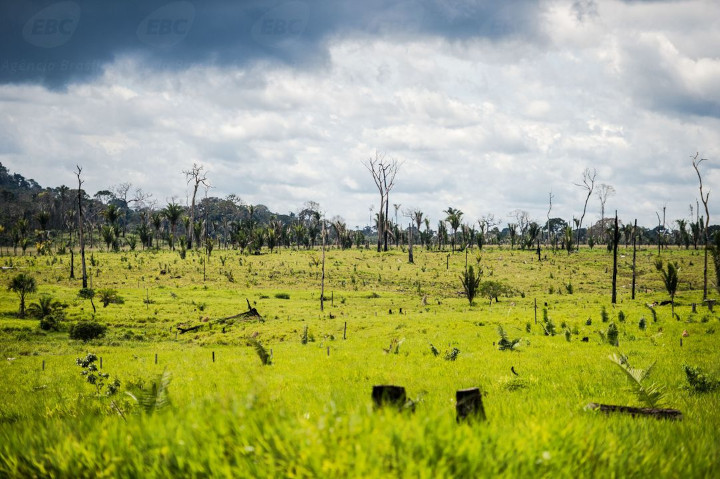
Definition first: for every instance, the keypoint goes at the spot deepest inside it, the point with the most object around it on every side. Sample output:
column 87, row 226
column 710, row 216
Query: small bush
column 87, row 330
column 612, row 334
column 282, row 296
column 604, row 315
column 699, row 381
column 52, row 321
column 621, row 317
column 642, row 324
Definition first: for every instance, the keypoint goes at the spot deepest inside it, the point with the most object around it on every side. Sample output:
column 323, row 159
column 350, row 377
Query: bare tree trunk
column 704, row 198
column 322, row 279
column 410, row 243
column 80, row 228
column 615, row 248
column 634, row 233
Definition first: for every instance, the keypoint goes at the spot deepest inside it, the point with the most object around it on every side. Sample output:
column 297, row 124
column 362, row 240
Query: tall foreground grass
column 309, row 414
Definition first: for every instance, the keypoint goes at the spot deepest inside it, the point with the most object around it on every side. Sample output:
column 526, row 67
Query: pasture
column 223, row 413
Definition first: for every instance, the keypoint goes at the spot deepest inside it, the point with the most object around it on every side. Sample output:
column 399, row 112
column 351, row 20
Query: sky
column 490, row 107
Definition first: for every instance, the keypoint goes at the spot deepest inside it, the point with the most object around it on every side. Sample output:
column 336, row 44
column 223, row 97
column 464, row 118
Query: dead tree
column 603, row 193
column 198, row 177
column 383, row 172
column 704, row 198
column 588, row 183
column 550, row 198
column 81, row 236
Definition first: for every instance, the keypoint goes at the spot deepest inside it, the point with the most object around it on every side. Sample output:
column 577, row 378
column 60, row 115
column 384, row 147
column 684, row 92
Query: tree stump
column 657, row 413
column 694, row 308
column 710, row 304
column 469, row 404
column 385, row 395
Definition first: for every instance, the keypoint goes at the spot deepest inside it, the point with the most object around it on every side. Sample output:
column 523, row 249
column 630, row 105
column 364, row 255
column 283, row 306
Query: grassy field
column 310, row 414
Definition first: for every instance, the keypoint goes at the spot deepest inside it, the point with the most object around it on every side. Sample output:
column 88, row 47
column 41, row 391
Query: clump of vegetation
column 262, row 353
column 670, row 279
column 52, row 321
column 394, row 347
column 22, row 285
column 452, row 354
column 698, row 380
column 621, row 316
column 506, row 344
column 109, row 296
column 569, row 288
column 434, row 350
column 494, row 289
column 282, row 296
column 87, row 330
column 611, row 335
column 604, row 315
column 155, row 397
column 471, row 283
column 642, row 324
column 95, row 377
column 651, row 395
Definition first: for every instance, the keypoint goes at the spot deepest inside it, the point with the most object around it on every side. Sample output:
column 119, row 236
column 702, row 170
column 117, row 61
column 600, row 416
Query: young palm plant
column 670, row 278
column 649, row 394
column 23, row 285
column 471, row 283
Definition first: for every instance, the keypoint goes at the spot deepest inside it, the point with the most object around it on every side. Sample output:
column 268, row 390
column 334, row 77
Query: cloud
column 57, row 43
column 489, row 106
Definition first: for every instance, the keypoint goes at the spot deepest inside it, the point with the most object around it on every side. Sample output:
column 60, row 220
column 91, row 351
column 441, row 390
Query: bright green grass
column 309, row 414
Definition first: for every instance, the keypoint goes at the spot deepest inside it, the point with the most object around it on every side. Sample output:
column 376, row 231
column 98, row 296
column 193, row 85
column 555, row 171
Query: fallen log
column 187, row 330
column 248, row 315
column 658, row 413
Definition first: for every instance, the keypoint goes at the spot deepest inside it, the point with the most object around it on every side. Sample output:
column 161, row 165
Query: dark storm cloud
column 56, row 43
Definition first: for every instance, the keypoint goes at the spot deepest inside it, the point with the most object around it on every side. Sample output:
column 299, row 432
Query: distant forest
column 45, row 219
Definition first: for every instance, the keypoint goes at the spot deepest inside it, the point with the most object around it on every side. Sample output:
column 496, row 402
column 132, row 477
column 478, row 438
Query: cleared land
column 310, row 412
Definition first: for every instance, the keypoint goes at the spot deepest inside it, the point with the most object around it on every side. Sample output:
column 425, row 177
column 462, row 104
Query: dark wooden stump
column 658, row 413
column 469, row 404
column 710, row 304
column 694, row 308
column 388, row 396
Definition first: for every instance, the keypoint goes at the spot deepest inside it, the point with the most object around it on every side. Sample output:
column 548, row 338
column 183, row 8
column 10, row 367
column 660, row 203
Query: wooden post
column 469, row 404
column 388, row 396
column 156, row 356
column 345, row 331
column 332, row 298
column 322, row 279
column 694, row 308
column 43, row 366
column 213, row 356
column 535, row 310
column 616, row 238
column 147, row 298
column 328, row 351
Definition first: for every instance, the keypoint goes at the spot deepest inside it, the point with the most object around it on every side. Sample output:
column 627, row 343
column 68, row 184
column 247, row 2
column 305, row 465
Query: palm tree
column 173, row 212
column 512, row 227
column 23, row 285
column 44, row 306
column 454, row 218
column 156, row 220
column 670, row 278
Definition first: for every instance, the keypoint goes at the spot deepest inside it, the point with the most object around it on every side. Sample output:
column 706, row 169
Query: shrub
column 51, row 322
column 604, row 315
column 87, row 330
column 108, row 296
column 282, row 296
column 642, row 324
column 612, row 334
column 699, row 381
